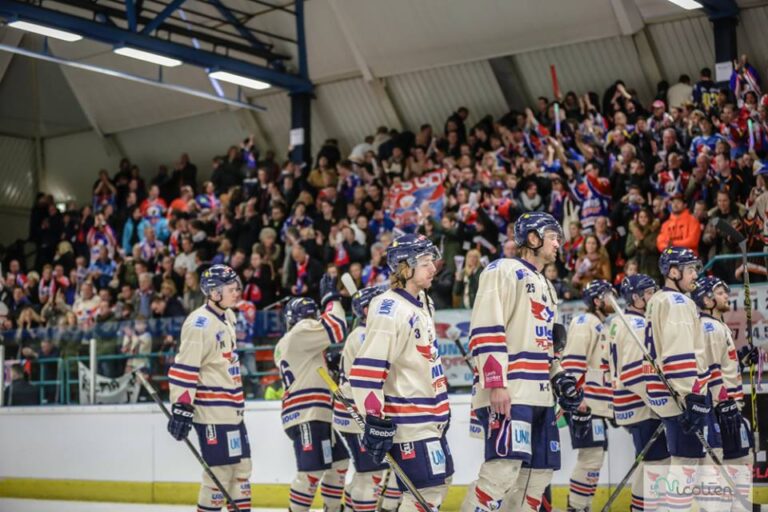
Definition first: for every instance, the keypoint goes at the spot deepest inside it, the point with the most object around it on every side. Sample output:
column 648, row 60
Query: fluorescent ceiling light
column 147, row 56
column 239, row 80
column 45, row 31
column 687, row 4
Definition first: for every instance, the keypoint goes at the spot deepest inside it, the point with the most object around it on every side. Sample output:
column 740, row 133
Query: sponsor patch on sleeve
column 677, row 299
column 200, row 322
column 387, row 308
column 709, row 327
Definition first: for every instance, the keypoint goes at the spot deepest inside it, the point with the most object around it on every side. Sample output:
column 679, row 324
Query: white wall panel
column 85, row 437
column 684, row 46
column 582, row 67
column 17, row 171
column 430, row 96
column 202, row 137
column 72, row 164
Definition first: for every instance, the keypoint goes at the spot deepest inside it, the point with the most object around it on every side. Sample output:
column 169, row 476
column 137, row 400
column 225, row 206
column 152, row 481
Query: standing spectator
column 193, row 298
column 19, row 391
column 104, row 192
column 260, row 287
column 681, row 92
column 468, row 279
column 705, row 91
column 101, row 234
column 143, row 296
column 304, row 273
column 153, row 199
column 593, row 263
column 150, row 249
column 185, row 173
column 86, row 305
column 682, row 229
column 641, row 243
column 136, row 341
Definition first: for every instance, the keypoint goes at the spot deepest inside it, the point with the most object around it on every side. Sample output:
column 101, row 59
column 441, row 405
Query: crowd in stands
column 627, row 178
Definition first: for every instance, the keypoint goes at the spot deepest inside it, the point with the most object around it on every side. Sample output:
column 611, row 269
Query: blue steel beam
column 160, row 18
column 235, row 22
column 130, row 11
column 301, row 40
column 114, row 35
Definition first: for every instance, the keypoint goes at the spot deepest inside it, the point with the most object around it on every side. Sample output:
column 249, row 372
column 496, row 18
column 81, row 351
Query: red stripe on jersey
column 182, row 375
column 490, row 339
column 527, row 365
column 372, row 374
column 405, row 409
column 686, row 365
column 306, row 398
column 220, row 396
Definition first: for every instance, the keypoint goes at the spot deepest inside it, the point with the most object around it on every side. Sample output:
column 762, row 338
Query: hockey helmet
column 677, row 257
column 362, row 298
column 409, row 248
column 217, row 276
column 298, row 309
column 705, row 288
column 636, row 285
column 538, row 222
column 594, row 290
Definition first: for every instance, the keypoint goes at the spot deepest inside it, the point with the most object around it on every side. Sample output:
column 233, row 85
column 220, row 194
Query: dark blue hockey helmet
column 636, row 285
column 677, row 257
column 298, row 309
column 538, row 222
column 595, row 289
column 705, row 288
column 409, row 248
column 217, row 276
column 362, row 298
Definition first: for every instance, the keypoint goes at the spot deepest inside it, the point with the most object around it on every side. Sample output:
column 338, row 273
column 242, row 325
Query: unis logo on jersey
column 201, row 322
column 386, row 307
column 542, row 312
column 581, row 319
column 709, row 327
column 677, row 298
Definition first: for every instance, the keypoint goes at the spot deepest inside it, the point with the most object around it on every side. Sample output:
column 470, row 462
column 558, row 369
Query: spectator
column 681, row 92
column 193, row 298
column 143, row 297
column 304, row 273
column 681, row 229
column 166, row 307
column 102, row 269
column 561, row 287
column 136, row 341
column 593, row 263
column 468, row 279
column 19, row 391
column 641, row 243
column 260, row 287
column 705, row 91
column 185, row 174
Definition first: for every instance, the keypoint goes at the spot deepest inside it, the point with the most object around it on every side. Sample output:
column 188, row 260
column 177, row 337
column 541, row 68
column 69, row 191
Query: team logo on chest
column 542, row 311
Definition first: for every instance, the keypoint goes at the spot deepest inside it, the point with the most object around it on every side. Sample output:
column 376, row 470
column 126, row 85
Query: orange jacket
column 681, row 230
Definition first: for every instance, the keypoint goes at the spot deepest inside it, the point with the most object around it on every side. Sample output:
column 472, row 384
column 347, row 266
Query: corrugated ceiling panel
column 683, row 46
column 350, row 110
column 276, row 120
column 430, row 96
column 753, row 38
column 582, row 67
column 202, row 137
column 17, row 170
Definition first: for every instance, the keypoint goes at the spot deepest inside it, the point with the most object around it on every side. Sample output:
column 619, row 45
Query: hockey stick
column 349, row 283
column 640, row 457
column 151, row 390
column 360, row 423
column 676, row 399
column 383, row 490
column 725, row 228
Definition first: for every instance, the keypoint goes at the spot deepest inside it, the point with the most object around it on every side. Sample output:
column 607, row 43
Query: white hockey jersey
column 586, row 354
column 206, row 371
column 724, row 374
column 298, row 355
column 675, row 340
column 342, row 420
column 511, row 334
column 630, row 402
column 397, row 372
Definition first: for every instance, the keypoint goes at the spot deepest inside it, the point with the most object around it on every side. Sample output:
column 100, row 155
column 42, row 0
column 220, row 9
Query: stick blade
column 349, row 283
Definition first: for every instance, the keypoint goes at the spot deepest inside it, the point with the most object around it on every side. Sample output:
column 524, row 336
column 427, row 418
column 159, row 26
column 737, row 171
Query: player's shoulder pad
column 677, row 299
column 384, row 305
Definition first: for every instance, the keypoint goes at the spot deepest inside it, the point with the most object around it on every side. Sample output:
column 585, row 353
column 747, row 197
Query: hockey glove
column 748, row 356
column 378, row 437
column 694, row 416
column 568, row 394
column 333, row 361
column 328, row 290
column 728, row 416
column 181, row 420
column 581, row 423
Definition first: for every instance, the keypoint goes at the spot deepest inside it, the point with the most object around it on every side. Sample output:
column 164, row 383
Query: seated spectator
column 166, row 308
column 193, row 298
column 304, row 273
column 136, row 341
column 102, row 269
column 562, row 289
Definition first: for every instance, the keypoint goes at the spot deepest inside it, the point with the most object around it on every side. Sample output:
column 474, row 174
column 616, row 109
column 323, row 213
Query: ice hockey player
column 207, row 392
column 711, row 295
column 586, row 355
column 677, row 344
column 307, row 405
column 630, row 400
column 361, row 494
column 397, row 378
column 511, row 343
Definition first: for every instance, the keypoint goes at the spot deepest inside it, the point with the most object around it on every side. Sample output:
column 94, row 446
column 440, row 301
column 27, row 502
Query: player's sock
column 332, row 485
column 303, row 490
column 495, row 480
column 584, row 477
